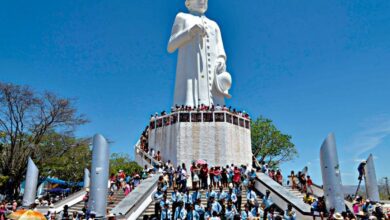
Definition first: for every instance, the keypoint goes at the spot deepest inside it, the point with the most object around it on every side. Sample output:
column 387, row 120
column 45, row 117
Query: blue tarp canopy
column 64, row 183
column 58, row 190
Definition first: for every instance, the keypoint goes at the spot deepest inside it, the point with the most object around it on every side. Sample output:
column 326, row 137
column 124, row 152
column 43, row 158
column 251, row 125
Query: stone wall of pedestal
column 219, row 143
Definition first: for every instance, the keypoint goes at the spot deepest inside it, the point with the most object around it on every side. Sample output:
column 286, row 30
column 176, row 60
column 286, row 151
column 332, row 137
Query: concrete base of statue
column 220, row 138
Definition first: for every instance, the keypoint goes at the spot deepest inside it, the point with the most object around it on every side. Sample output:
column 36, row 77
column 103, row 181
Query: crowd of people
column 367, row 210
column 215, row 193
column 117, row 182
column 202, row 107
column 232, row 179
column 6, row 207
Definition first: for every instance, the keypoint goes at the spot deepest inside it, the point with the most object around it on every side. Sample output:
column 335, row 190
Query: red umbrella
column 201, row 162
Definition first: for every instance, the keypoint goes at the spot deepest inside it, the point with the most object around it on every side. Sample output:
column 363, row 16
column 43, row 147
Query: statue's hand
column 197, row 29
column 221, row 65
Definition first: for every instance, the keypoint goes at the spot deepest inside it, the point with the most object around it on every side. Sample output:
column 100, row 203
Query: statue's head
column 197, row 6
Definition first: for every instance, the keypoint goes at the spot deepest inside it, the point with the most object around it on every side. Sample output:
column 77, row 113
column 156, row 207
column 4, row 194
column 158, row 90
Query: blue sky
column 313, row 67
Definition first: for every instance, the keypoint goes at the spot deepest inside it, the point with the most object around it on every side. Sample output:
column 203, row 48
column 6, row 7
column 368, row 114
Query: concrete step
column 150, row 209
column 118, row 196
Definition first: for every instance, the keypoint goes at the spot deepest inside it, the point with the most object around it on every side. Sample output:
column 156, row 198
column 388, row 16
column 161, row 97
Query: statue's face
column 199, row 6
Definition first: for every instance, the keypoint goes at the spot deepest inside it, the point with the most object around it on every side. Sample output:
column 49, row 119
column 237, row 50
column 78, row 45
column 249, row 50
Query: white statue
column 201, row 76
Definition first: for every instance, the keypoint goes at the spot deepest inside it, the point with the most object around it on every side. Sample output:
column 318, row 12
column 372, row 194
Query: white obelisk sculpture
column 371, row 180
column 331, row 178
column 99, row 176
column 30, row 188
column 86, row 178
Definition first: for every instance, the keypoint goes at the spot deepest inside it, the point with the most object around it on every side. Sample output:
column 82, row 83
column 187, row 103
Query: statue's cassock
column 197, row 61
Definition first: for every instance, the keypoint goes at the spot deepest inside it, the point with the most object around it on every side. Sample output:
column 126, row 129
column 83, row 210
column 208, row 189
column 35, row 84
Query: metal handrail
column 190, row 112
column 144, row 154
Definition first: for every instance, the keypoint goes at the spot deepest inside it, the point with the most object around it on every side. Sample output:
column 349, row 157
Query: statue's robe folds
column 196, row 61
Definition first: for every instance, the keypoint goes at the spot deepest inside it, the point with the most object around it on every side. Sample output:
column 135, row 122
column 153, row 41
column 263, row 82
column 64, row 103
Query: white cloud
column 373, row 133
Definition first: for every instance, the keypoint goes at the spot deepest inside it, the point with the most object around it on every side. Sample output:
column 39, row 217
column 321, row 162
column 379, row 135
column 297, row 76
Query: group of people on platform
column 202, row 107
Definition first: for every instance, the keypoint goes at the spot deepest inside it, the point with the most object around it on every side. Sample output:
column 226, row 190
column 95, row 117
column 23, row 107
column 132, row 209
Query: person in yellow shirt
column 308, row 199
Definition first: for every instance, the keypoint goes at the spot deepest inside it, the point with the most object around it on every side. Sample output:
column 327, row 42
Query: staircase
column 118, row 196
column 295, row 192
column 149, row 211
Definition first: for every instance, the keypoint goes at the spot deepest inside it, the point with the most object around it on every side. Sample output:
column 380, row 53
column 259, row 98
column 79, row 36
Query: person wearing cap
column 290, row 214
column 367, row 208
column 337, row 216
column 379, row 214
column 166, row 214
column 361, row 169
column 52, row 212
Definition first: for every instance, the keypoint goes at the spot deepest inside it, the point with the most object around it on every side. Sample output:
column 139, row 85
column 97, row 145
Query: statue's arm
column 221, row 59
column 220, row 47
column 180, row 34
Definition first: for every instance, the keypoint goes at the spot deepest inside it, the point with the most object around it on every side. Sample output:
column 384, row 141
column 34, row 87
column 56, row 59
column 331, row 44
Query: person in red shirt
column 211, row 174
column 236, row 175
column 309, row 183
column 217, row 177
column 204, row 175
column 271, row 173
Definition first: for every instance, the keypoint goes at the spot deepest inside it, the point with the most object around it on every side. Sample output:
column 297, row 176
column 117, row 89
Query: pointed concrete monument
column 99, row 176
column 371, row 180
column 86, row 178
column 330, row 168
column 30, row 188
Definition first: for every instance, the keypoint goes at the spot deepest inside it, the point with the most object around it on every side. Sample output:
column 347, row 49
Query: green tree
column 120, row 161
column 269, row 144
column 65, row 157
column 26, row 117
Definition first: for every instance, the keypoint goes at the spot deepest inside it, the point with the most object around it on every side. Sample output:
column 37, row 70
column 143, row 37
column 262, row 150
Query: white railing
column 199, row 116
column 144, row 156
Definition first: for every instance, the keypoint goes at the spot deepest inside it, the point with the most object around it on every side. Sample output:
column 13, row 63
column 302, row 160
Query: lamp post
column 387, row 185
